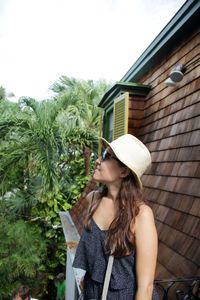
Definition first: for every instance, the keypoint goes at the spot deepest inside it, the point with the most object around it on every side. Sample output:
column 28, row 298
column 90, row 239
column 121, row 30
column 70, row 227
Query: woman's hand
column 71, row 244
column 81, row 284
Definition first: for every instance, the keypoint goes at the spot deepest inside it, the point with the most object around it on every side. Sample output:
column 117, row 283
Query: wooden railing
column 179, row 288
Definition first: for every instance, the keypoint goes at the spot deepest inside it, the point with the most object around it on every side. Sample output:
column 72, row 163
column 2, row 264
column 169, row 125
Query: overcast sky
column 40, row 40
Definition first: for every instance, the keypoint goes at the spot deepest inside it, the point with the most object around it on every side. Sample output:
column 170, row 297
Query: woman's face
column 108, row 169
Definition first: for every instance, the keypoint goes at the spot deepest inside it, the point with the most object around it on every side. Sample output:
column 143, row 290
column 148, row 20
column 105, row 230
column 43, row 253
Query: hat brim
column 106, row 144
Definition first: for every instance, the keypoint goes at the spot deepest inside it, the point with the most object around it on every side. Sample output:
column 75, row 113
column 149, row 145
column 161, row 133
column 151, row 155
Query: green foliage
column 42, row 172
column 20, row 203
column 75, row 179
column 46, row 215
column 22, row 254
column 80, row 98
column 2, row 93
column 30, row 142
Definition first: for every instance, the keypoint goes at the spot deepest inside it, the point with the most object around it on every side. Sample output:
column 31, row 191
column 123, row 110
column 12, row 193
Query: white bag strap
column 107, row 277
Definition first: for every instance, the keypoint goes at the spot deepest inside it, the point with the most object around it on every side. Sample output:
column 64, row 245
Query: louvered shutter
column 120, row 126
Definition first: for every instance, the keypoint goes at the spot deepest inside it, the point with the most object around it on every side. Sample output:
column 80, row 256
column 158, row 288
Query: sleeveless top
column 91, row 257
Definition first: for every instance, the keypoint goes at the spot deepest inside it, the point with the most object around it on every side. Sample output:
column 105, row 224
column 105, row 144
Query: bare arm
column 146, row 252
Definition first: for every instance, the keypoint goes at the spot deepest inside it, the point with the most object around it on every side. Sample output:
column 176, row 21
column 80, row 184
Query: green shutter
column 120, row 126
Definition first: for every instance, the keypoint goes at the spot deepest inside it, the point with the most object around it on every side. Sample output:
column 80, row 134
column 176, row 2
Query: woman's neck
column 113, row 191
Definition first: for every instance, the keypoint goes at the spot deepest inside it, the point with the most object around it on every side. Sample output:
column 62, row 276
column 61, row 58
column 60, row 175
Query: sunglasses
column 106, row 156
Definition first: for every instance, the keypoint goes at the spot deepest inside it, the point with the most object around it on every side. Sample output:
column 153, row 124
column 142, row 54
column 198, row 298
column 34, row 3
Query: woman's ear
column 125, row 172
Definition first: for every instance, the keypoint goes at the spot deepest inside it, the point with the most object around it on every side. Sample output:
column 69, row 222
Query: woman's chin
column 96, row 178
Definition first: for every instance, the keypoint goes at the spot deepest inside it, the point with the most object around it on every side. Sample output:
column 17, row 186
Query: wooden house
column 165, row 115
column 167, row 120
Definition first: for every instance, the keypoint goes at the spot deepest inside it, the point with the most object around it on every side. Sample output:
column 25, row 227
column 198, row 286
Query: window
column 108, row 121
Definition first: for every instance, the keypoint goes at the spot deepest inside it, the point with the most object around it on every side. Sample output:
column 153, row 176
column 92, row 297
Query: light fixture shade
column 177, row 73
column 176, row 76
column 170, row 82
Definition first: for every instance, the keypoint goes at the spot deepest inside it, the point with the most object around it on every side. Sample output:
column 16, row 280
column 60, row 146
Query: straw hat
column 132, row 153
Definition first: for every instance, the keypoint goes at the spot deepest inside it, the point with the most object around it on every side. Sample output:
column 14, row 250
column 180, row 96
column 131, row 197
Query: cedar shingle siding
column 171, row 130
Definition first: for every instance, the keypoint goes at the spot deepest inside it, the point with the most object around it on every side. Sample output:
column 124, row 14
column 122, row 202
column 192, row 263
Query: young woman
column 119, row 223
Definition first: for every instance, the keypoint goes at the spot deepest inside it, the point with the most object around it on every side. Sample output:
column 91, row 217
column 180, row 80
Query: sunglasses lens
column 104, row 155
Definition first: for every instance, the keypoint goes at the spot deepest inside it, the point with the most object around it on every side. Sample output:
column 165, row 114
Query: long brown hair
column 120, row 239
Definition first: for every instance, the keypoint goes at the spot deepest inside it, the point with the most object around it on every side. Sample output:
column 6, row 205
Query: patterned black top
column 91, row 257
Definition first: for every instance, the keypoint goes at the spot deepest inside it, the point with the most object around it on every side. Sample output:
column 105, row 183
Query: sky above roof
column 91, row 39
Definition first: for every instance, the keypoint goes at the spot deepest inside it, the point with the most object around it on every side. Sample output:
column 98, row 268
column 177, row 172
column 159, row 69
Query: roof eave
column 184, row 18
column 187, row 17
column 135, row 88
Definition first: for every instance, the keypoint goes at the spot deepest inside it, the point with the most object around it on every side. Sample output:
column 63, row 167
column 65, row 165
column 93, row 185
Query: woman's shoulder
column 145, row 215
column 144, row 209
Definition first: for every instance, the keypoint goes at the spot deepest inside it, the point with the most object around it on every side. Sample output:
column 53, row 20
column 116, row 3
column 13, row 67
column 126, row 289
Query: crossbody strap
column 107, row 277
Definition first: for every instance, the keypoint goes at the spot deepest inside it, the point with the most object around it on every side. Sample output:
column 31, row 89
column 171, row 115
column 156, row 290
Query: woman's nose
column 98, row 161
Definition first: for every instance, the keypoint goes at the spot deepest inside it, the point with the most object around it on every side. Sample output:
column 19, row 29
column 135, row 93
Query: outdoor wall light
column 176, row 75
